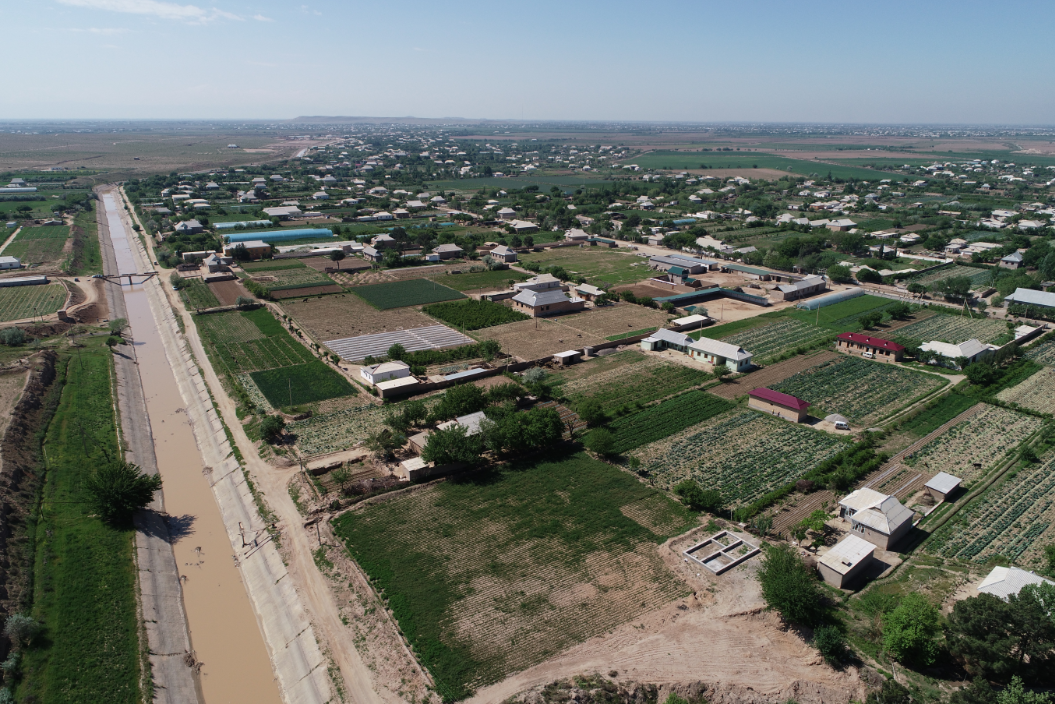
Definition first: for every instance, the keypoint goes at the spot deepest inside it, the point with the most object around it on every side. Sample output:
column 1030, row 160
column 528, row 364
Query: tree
column 384, row 443
column 869, row 276
column 830, row 642
column 336, row 256
column 272, row 427
column 118, row 325
column 978, row 692
column 340, row 477
column 917, row 289
column 535, row 375
column 720, row 372
column 870, row 320
column 789, row 587
column 452, row 446
column 899, row 311
column 840, row 274
column 459, row 401
column 240, row 253
column 114, row 341
column 909, row 630
column 397, row 352
column 12, row 337
column 890, row 693
column 697, row 498
column 592, row 412
column 601, row 441
column 489, row 349
column 244, row 302
column 981, row 373
column 1016, row 693
column 118, row 489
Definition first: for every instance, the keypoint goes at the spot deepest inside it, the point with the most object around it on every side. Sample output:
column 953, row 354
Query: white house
column 717, row 353
column 878, row 518
column 972, row 349
column 385, row 372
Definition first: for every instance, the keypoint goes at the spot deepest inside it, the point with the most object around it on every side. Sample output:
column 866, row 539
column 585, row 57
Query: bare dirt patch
column 537, row 338
column 614, row 320
column 307, row 291
column 773, row 374
column 347, row 315
column 227, row 292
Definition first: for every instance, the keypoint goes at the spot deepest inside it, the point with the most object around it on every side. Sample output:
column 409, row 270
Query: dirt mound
column 19, row 477
column 43, row 330
column 77, row 296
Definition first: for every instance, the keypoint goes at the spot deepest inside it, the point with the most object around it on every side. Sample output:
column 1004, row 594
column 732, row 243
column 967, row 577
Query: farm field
column 627, row 378
column 301, row 383
column 954, row 329
column 18, row 302
column 497, row 280
column 473, row 315
column 1014, row 519
column 345, row 315
column 1044, row 353
column 773, row 374
column 197, row 294
column 765, row 342
column 733, row 160
column 613, row 320
column 971, row 448
column 978, row 277
column 331, row 432
column 1035, row 392
column 405, row 293
column 249, row 341
column 300, row 276
column 666, row 418
column 39, row 245
column 842, row 317
column 865, row 392
column 937, row 413
column 493, row 573
column 594, row 263
column 742, row 453
column 227, row 292
column 537, row 338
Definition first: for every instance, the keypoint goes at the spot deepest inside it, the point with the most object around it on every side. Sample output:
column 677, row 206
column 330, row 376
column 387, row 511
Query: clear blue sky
column 875, row 62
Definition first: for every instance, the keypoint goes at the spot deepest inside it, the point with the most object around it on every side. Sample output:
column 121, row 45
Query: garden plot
column 491, row 576
column 18, row 302
column 1043, row 353
column 39, row 245
column 969, row 449
column 741, row 453
column 537, row 338
column 954, row 329
column 978, row 277
column 345, row 315
column 338, row 430
column 1013, row 519
column 614, row 320
column 250, row 341
column 865, row 392
column 435, row 337
column 772, row 374
column 291, row 278
column 399, row 294
column 767, row 341
column 1036, row 392
column 631, row 379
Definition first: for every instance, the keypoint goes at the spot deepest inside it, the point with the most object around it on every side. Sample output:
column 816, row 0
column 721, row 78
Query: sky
column 932, row 62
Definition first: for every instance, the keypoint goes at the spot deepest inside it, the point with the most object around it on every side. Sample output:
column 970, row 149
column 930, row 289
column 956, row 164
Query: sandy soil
column 720, row 634
column 11, row 386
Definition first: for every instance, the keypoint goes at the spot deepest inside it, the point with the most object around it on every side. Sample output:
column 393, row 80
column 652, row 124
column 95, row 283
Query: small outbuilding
column 566, row 358
column 778, row 404
column 941, row 485
column 10, row 263
column 1002, row 582
column 385, row 371
column 846, row 562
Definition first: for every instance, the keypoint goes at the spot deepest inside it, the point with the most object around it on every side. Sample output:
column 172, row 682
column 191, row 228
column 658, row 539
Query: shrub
column 601, row 441
column 697, row 498
column 789, row 587
column 909, row 630
column 12, row 337
column 272, row 427
column 831, row 644
column 21, row 629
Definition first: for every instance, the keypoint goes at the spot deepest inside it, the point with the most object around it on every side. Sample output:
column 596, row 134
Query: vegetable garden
column 1014, row 519
column 953, row 329
column 332, row 432
column 1036, row 392
column 969, row 449
column 978, row 277
column 249, row 341
column 865, row 392
column 1043, row 353
column 648, row 379
column 473, row 315
column 667, row 418
column 398, row 294
column 197, row 294
column 774, row 339
column 741, row 453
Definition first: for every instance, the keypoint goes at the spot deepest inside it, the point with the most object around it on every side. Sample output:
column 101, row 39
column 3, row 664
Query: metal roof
column 943, row 482
column 877, row 342
column 464, row 374
column 1033, row 298
column 779, row 398
column 877, row 511
column 676, row 338
column 850, row 552
column 720, row 349
column 541, row 298
column 1004, row 581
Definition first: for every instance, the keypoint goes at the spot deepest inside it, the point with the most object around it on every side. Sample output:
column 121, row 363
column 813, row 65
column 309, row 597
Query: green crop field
column 937, row 413
column 1044, row 353
column 749, row 160
column 953, row 329
column 37, row 245
column 843, row 316
column 18, row 302
column 248, row 341
column 667, row 418
column 285, row 279
column 491, row 573
column 741, row 453
column 84, row 574
column 473, row 315
column 865, row 392
column 978, row 277
column 627, row 378
column 774, row 339
column 302, row 383
column 491, row 280
column 271, row 265
column 197, row 294
column 398, row 294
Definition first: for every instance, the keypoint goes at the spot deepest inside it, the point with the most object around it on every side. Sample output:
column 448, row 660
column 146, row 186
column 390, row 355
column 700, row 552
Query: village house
column 576, row 235
column 1012, row 261
column 552, row 301
column 384, row 372
column 808, row 286
column 663, row 339
column 778, row 404
column 188, row 227
column 1003, row 582
column 871, row 347
column 506, row 214
column 541, row 282
column 255, row 248
column 448, row 251
column 589, row 292
column 846, row 562
column 383, row 242
column 718, row 353
column 1029, row 297
column 503, row 254
column 878, row 518
column 522, row 227
column 972, row 350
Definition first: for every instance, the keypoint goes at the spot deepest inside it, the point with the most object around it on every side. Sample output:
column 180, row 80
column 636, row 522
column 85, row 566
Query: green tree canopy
column 910, row 630
column 118, row 489
column 789, row 587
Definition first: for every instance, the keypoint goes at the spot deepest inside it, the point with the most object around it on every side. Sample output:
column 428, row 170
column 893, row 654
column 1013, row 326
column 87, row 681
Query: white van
column 868, row 355
column 842, row 425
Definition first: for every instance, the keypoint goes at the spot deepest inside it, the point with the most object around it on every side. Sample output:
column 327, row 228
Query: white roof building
column 1002, row 582
column 972, row 349
column 538, row 283
column 385, row 372
column 881, row 519
column 848, row 554
column 1033, row 298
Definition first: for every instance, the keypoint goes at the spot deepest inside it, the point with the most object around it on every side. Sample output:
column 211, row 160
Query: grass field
column 84, row 583
column 473, row 315
column 741, row 453
column 491, row 573
column 865, row 392
column 301, row 383
column 87, row 258
column 18, row 302
column 596, row 264
column 197, row 294
column 249, row 341
column 490, row 280
column 399, row 294
column 741, row 160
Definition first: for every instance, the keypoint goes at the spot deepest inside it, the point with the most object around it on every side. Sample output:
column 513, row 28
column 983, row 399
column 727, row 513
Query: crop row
column 969, row 449
column 397, row 294
column 741, row 453
column 268, row 353
column 1036, row 392
column 646, row 381
column 302, row 383
column 954, row 329
column 1014, row 519
column 774, row 339
column 474, row 315
column 1043, row 354
column 667, row 418
column 862, row 391
column 977, row 276
column 20, row 302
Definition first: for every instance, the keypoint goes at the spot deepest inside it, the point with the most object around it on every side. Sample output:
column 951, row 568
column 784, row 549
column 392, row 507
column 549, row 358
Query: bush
column 789, row 587
column 119, row 489
column 272, row 427
column 697, row 498
column 244, row 302
column 890, row 693
column 601, row 441
column 909, row 630
column 869, row 276
column 592, row 412
column 831, row 644
column 12, row 337
column 21, row 629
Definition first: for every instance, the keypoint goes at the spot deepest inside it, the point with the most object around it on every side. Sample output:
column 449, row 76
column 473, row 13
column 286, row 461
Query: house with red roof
column 775, row 403
column 872, row 347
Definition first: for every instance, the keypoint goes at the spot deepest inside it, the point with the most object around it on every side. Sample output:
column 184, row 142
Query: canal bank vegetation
column 84, row 643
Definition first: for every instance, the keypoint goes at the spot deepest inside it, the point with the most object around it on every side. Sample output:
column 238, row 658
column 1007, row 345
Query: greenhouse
column 276, row 235
column 831, row 299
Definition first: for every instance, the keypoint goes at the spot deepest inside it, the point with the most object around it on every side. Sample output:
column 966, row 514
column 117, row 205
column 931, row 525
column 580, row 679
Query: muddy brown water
column 223, row 628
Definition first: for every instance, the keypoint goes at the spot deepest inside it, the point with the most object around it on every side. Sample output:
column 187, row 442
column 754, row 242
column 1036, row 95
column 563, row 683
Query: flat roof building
column 846, row 562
